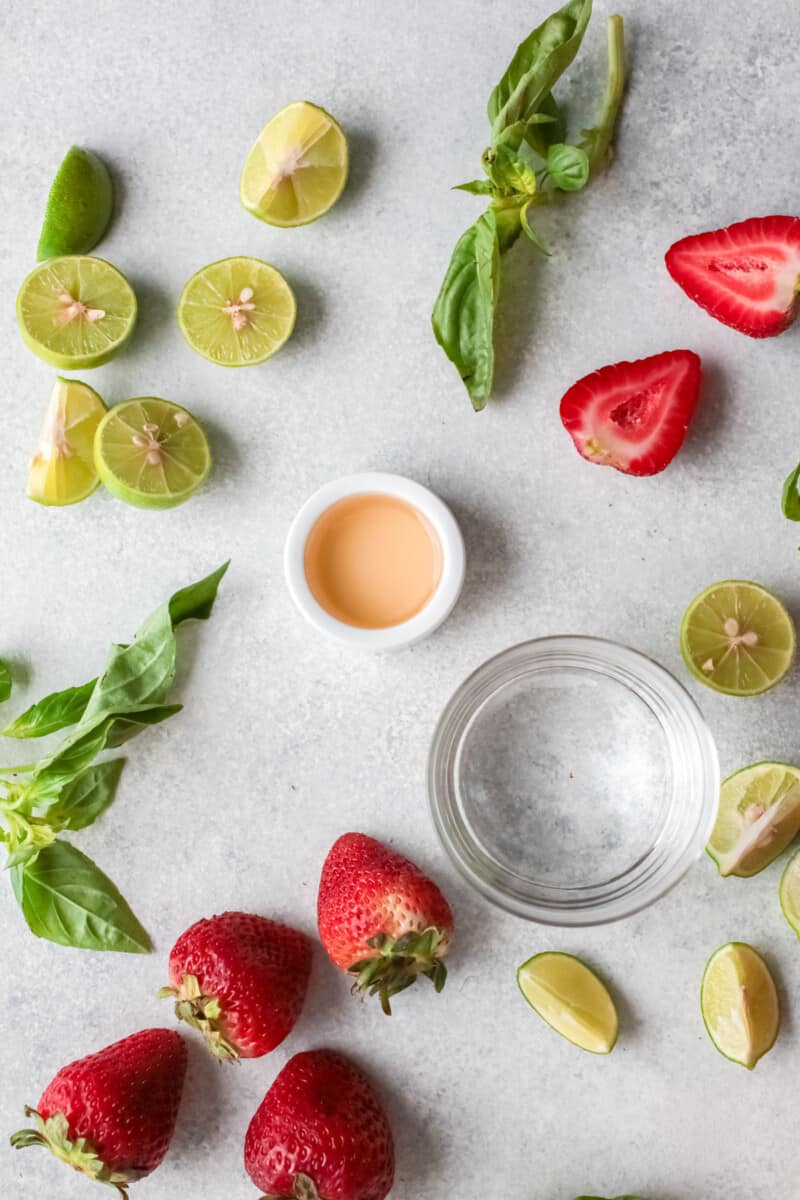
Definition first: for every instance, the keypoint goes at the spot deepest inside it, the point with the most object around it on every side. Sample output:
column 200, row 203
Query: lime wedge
column 739, row 1003
column 62, row 470
column 151, row 453
column 76, row 312
column 790, row 892
column 237, row 312
column 78, row 207
column 571, row 999
column 737, row 638
column 758, row 816
column 297, row 168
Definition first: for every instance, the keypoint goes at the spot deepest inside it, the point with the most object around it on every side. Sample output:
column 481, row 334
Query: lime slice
column 297, row 168
column 237, row 312
column 570, row 998
column 739, row 1003
column 78, row 207
column 790, row 892
column 62, row 470
column 737, row 638
column 151, row 453
column 758, row 816
column 76, row 311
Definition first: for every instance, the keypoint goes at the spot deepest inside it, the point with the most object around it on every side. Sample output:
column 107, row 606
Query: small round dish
column 573, row 781
column 431, row 509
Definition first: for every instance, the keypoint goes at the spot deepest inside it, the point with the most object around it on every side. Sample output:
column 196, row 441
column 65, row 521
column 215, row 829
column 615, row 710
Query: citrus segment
column 758, row 816
column 76, row 311
column 78, row 207
column 237, row 312
column 737, row 638
column 571, row 999
column 297, row 168
column 151, row 453
column 62, row 470
column 739, row 1003
column 790, row 892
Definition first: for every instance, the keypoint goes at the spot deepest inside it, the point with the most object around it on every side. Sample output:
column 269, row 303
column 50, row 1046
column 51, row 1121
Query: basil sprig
column 5, row 682
column 528, row 163
column 63, row 895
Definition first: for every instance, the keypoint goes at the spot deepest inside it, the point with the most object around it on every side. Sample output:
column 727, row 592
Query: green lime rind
column 590, row 976
column 789, row 892
column 77, row 344
column 749, row 950
column 757, row 818
column 206, row 322
column 122, row 453
column 767, row 663
column 79, row 206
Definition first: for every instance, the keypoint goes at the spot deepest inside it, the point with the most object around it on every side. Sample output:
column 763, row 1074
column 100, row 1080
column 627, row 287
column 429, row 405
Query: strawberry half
column 321, row 1133
column 381, row 919
column 747, row 275
column 634, row 415
column 112, row 1115
column 241, row 980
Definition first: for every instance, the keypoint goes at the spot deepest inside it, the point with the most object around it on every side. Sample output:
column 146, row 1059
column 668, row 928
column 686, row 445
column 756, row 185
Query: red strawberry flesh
column 634, row 415
column 321, row 1121
column 746, row 275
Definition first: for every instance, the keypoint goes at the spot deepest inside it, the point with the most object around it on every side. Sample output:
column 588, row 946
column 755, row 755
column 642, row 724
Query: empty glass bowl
column 573, row 781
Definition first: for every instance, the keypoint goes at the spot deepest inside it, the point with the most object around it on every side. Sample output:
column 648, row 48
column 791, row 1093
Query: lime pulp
column 569, row 996
column 758, row 817
column 151, row 453
column 237, row 312
column 78, row 207
column 62, row 470
column 790, row 892
column 739, row 1003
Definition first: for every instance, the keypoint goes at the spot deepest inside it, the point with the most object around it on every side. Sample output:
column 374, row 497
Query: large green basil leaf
column 195, row 602
column 5, row 682
column 81, row 802
column 53, row 712
column 463, row 316
column 538, row 63
column 67, row 899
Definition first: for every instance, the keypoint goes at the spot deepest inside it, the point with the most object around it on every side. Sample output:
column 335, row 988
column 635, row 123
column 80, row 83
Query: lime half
column 571, row 999
column 78, row 207
column 151, row 453
column 297, row 168
column 758, row 816
column 739, row 1003
column 237, row 312
column 76, row 312
column 790, row 892
column 737, row 638
column 62, row 470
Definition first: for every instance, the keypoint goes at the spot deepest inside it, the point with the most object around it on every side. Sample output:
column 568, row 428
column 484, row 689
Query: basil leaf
column 509, row 225
column 53, row 712
column 88, row 795
column 568, row 167
column 195, row 602
column 5, row 682
column 463, row 316
column 790, row 500
column 67, row 899
column 545, row 127
column 508, row 172
column 538, row 62
column 530, row 232
column 478, row 187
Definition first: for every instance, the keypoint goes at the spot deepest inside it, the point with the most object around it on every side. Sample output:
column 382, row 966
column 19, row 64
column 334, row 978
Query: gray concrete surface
column 286, row 740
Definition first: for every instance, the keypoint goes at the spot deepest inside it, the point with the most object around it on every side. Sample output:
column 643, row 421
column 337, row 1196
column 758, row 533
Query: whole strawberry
column 112, row 1115
column 320, row 1133
column 241, row 980
column 381, row 919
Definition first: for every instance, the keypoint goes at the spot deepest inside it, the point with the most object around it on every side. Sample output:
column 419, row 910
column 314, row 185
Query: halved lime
column 758, row 816
column 237, row 312
column 739, row 1003
column 790, row 892
column 151, row 453
column 78, row 207
column 76, row 311
column 737, row 638
column 297, row 168
column 62, row 470
column 571, row 999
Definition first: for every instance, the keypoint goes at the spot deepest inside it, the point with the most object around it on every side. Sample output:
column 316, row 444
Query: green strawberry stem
column 398, row 963
column 203, row 1013
column 78, row 1153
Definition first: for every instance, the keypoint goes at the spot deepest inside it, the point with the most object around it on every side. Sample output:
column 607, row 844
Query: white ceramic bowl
column 432, row 508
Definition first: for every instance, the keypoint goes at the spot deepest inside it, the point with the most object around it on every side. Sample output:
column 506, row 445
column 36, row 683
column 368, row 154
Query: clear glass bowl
column 573, row 781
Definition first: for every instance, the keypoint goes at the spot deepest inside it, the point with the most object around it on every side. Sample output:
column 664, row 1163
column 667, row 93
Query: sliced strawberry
column 634, row 415
column 747, row 275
